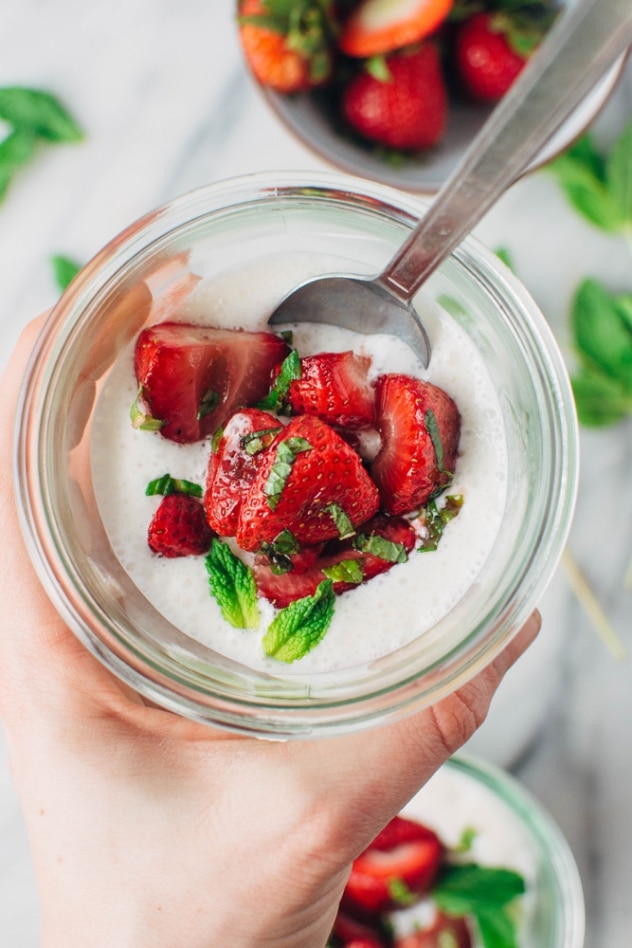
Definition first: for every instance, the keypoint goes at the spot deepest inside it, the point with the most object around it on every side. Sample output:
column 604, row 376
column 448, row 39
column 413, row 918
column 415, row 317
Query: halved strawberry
column 307, row 469
column 379, row 544
column 402, row 860
column 192, row 377
column 179, row 527
column 376, row 26
column 334, row 386
column 407, row 108
column 232, row 466
column 445, row 930
column 419, row 425
column 288, row 46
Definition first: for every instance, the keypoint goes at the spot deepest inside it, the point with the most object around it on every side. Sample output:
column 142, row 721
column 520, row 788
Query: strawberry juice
column 375, row 618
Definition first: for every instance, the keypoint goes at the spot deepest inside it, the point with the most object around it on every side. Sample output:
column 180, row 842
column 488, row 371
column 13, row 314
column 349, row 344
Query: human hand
column 148, row 829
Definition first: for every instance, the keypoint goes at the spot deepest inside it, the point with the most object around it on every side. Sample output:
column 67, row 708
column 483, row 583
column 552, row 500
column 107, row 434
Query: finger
column 373, row 774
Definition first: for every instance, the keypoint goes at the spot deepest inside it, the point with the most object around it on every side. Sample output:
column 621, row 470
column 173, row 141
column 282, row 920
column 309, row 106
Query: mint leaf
column 466, row 839
column 280, row 471
column 618, row 172
column 600, row 324
column 469, row 888
column 382, row 548
column 600, row 401
column 298, row 628
column 38, row 112
column 64, row 270
column 343, row 524
column 172, row 485
column 233, row 585
column 15, row 150
column 276, row 399
column 579, row 173
column 505, row 255
column 496, row 928
column 346, row 571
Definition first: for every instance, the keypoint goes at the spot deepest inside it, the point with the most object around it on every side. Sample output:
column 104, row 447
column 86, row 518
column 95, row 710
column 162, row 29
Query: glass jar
column 139, row 278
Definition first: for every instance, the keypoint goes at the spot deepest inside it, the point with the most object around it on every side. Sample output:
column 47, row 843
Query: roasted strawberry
column 379, row 544
column 288, row 46
column 375, row 27
column 445, row 930
column 232, row 465
column 335, row 387
column 406, row 109
column 179, row 527
column 491, row 49
column 419, row 425
column 191, row 378
column 353, row 932
column 304, row 479
column 402, row 861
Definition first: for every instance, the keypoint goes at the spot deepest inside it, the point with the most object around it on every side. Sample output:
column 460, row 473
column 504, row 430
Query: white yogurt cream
column 377, row 617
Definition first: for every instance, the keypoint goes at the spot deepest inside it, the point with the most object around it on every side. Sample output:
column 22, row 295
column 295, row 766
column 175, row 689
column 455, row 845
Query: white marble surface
column 166, row 106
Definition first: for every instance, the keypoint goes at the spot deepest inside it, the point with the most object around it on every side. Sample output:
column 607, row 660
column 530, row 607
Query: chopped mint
column 467, row 837
column 343, row 525
column 172, row 485
column 435, row 519
column 280, row 550
column 433, row 430
column 285, row 456
column 258, row 440
column 140, row 419
column 381, row 547
column 215, row 440
column 232, row 584
column 298, row 628
column 346, row 571
column 400, row 892
column 276, row 399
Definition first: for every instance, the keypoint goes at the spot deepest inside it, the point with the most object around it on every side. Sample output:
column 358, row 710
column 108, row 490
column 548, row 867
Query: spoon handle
column 584, row 42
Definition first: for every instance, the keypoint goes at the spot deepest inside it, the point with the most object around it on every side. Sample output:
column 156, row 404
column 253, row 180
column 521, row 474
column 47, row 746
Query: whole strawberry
column 493, row 48
column 179, row 528
column 288, row 46
column 407, row 108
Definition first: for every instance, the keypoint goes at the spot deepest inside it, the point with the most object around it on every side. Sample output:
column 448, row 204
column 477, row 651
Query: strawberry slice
column 408, row 108
column 381, row 543
column 307, row 469
column 334, row 386
column 419, row 425
column 376, row 26
column 402, row 860
column 192, row 378
column 445, row 930
column 179, row 527
column 232, row 466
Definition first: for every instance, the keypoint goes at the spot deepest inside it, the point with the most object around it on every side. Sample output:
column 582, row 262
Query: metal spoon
column 585, row 41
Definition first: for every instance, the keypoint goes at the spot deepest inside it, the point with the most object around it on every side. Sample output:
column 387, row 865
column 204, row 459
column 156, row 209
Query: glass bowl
column 514, row 831
column 145, row 275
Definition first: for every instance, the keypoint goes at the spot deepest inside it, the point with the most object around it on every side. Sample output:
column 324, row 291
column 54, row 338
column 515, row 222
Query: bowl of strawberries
column 295, row 530
column 396, row 90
